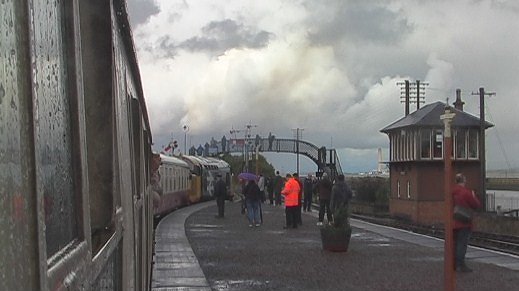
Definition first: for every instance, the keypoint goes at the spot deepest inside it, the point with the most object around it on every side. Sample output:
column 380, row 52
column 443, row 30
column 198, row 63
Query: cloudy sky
column 330, row 67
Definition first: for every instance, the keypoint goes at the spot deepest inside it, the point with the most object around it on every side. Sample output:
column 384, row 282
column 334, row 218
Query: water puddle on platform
column 206, row 226
column 232, row 285
column 275, row 231
column 380, row 245
column 372, row 240
column 426, row 259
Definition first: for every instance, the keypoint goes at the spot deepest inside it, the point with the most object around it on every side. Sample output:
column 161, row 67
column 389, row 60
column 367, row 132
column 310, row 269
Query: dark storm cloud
column 167, row 47
column 141, row 10
column 220, row 36
column 362, row 22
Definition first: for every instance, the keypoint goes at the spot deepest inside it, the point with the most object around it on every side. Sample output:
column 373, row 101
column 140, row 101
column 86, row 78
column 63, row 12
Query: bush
column 340, row 218
column 371, row 189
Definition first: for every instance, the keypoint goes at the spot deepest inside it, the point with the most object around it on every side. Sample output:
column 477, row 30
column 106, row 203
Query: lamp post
column 298, row 133
column 248, row 128
column 448, row 261
column 185, row 128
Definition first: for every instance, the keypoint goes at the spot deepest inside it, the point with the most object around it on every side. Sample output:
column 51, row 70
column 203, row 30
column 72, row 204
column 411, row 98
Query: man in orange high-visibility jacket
column 291, row 193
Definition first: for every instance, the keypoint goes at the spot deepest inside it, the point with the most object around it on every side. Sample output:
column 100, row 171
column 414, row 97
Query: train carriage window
column 137, row 141
column 56, row 127
column 98, row 76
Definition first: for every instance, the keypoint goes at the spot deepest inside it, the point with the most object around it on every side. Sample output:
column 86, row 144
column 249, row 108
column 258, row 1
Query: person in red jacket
column 291, row 193
column 464, row 197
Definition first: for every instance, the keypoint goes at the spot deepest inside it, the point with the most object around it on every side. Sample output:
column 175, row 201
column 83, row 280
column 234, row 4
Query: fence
column 502, row 201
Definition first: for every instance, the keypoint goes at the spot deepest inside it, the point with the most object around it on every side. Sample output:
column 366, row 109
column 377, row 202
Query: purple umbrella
column 247, row 176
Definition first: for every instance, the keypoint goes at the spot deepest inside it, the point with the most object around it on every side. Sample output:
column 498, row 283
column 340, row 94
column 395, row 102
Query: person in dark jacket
column 324, row 190
column 299, row 219
column 270, row 189
column 308, row 191
column 278, row 186
column 253, row 200
column 220, row 192
column 464, row 197
column 341, row 194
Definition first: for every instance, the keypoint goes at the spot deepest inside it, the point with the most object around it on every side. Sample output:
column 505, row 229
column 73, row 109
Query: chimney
column 458, row 104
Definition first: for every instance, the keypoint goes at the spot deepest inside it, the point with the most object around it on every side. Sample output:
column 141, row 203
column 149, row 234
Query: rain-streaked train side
column 75, row 149
column 185, row 180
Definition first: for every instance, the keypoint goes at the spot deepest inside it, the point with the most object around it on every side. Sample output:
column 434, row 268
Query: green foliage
column 340, row 218
column 236, row 162
column 371, row 189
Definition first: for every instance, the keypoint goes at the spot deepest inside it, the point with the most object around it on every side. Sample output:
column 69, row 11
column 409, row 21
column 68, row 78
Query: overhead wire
column 499, row 139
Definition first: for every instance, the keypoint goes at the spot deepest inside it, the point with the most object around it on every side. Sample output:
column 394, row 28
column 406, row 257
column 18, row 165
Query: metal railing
column 283, row 145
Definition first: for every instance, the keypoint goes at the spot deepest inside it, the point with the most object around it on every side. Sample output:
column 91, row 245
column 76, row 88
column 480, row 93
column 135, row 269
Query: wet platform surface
column 225, row 254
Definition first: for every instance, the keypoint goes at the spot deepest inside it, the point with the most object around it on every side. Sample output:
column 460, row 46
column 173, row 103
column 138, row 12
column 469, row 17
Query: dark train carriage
column 75, row 209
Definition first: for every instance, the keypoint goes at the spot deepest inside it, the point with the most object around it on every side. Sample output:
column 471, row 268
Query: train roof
column 207, row 162
column 173, row 160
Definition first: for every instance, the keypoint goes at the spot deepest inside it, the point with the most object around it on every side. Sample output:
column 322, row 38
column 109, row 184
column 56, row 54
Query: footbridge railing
column 326, row 160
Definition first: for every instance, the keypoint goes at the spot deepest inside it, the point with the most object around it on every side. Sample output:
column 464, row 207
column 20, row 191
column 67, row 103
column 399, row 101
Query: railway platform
column 196, row 251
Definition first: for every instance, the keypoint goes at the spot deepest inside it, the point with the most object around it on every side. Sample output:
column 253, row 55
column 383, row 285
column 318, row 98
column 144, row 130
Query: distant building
column 416, row 160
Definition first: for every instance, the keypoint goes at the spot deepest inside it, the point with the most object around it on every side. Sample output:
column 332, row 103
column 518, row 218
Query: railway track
column 502, row 243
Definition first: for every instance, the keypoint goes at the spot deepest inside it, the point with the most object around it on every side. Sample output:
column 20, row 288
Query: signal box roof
column 429, row 117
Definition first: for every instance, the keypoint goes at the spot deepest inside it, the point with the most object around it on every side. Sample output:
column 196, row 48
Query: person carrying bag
column 465, row 202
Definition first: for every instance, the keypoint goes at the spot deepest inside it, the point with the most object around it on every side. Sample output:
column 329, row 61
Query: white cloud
column 334, row 76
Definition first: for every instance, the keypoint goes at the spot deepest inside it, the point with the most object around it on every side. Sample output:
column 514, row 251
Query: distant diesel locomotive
column 185, row 180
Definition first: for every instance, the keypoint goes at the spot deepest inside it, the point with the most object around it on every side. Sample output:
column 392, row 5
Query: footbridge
column 326, row 159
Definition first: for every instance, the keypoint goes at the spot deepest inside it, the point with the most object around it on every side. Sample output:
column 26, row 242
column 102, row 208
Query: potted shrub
column 336, row 236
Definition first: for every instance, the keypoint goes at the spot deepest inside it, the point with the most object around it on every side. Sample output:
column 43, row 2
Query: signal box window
column 438, row 144
column 473, row 143
column 461, row 144
column 425, row 144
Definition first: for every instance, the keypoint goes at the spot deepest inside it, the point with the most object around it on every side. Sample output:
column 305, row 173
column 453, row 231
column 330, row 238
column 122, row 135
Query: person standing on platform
column 466, row 198
column 308, row 191
column 278, row 186
column 253, row 201
column 220, row 192
column 341, row 194
column 270, row 189
column 324, row 190
column 261, row 186
column 271, row 140
column 299, row 219
column 291, row 192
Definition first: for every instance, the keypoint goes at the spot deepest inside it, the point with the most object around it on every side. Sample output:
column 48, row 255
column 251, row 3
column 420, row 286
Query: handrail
column 284, row 145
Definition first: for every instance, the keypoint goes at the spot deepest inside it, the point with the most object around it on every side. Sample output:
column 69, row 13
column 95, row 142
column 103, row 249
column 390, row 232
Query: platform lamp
column 185, row 128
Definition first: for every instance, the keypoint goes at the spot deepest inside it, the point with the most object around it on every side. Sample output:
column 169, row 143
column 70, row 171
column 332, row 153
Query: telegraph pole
column 412, row 93
column 299, row 134
column 406, row 97
column 482, row 150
